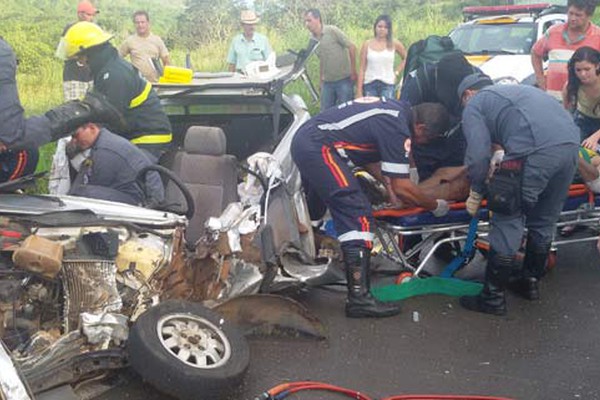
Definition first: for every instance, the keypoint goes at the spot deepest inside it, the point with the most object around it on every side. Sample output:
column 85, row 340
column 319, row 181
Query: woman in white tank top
column 377, row 75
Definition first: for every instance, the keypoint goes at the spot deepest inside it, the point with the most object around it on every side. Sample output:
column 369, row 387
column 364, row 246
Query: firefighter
column 147, row 125
column 373, row 133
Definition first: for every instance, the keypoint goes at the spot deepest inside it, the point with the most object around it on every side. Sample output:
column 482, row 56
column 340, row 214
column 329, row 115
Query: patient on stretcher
column 589, row 168
column 438, row 176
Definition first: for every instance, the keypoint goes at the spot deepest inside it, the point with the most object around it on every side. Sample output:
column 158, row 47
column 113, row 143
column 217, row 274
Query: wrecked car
column 81, row 286
column 88, row 286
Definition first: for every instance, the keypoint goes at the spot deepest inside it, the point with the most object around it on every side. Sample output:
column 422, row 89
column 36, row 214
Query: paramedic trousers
column 547, row 175
column 329, row 184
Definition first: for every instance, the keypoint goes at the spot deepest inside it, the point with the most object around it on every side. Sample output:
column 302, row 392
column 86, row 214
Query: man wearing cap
column 249, row 45
column 337, row 56
column 110, row 170
column 146, row 49
column 77, row 78
column 529, row 187
column 146, row 124
column 20, row 137
column 374, row 133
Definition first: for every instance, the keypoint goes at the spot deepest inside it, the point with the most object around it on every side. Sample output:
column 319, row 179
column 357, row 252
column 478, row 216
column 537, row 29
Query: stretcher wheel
column 404, row 277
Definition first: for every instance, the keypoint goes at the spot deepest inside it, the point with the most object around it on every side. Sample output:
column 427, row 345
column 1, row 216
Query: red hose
column 442, row 397
column 284, row 390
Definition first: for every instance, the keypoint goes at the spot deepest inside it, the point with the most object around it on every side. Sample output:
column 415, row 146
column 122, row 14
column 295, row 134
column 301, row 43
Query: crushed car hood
column 18, row 204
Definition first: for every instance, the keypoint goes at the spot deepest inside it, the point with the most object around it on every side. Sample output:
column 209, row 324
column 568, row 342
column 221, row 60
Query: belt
column 153, row 139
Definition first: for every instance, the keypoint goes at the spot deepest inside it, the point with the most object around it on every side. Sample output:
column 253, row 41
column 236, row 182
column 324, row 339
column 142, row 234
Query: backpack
column 427, row 51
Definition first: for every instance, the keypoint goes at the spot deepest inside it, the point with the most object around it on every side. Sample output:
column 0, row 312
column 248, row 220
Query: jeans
column 378, row 88
column 337, row 92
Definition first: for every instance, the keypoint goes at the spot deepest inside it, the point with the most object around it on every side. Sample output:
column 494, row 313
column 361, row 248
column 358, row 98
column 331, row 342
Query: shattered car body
column 88, row 286
column 268, row 225
column 84, row 293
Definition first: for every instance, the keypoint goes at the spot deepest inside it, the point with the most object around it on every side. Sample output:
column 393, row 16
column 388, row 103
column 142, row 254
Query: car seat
column 208, row 173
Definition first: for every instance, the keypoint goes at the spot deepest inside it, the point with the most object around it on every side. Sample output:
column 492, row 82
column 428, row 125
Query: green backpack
column 428, row 51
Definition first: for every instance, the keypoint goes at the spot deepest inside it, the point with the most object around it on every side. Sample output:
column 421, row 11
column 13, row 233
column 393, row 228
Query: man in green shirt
column 337, row 55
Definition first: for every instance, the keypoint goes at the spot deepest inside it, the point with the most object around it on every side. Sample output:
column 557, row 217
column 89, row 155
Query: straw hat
column 249, row 17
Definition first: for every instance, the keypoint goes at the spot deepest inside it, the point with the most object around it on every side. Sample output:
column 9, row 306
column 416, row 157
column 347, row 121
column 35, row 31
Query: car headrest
column 206, row 140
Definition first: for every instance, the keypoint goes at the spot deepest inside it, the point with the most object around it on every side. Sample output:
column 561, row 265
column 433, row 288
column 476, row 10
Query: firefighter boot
column 492, row 298
column 360, row 302
column 67, row 117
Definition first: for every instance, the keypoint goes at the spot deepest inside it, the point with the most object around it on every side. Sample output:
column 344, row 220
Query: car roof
column 288, row 68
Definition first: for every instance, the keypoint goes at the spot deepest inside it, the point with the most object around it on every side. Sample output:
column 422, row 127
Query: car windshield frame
column 484, row 38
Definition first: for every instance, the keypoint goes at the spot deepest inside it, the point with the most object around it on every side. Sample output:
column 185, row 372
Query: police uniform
column 110, row 171
column 148, row 126
column 540, row 141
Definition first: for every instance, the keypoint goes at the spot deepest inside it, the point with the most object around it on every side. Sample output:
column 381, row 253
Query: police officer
column 20, row 137
column 528, row 190
column 147, row 125
column 111, row 169
column 373, row 133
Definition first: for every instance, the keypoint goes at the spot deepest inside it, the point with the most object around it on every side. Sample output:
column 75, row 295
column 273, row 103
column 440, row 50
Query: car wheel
column 188, row 351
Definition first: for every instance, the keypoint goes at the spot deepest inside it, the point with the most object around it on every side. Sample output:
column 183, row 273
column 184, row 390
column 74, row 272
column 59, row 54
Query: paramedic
column 373, row 133
column 540, row 141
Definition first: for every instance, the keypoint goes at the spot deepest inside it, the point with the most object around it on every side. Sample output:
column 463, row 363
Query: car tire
column 188, row 351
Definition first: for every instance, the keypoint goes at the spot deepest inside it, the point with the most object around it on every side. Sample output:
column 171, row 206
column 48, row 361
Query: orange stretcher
column 396, row 227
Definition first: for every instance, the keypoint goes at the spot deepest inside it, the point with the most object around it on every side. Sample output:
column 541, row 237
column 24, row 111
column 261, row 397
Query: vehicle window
column 551, row 23
column 247, row 123
column 516, row 38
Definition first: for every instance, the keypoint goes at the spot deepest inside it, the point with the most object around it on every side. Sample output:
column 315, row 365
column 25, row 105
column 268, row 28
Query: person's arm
column 479, row 145
column 363, row 67
column 163, row 53
column 537, row 62
column 411, row 194
column 587, row 171
column 124, row 49
column 231, row 57
column 352, row 54
column 401, row 51
column 592, row 141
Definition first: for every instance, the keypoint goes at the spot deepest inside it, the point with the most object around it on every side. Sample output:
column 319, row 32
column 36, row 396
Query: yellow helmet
column 82, row 36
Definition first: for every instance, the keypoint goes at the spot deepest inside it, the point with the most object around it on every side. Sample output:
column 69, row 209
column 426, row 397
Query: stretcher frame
column 581, row 208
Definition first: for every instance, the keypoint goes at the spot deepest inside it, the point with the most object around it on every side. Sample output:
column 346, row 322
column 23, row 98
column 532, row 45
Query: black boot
column 67, row 117
column 360, row 303
column 534, row 267
column 492, row 298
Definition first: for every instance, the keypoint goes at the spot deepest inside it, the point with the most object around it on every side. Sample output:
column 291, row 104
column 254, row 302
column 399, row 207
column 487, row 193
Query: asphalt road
column 545, row 349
